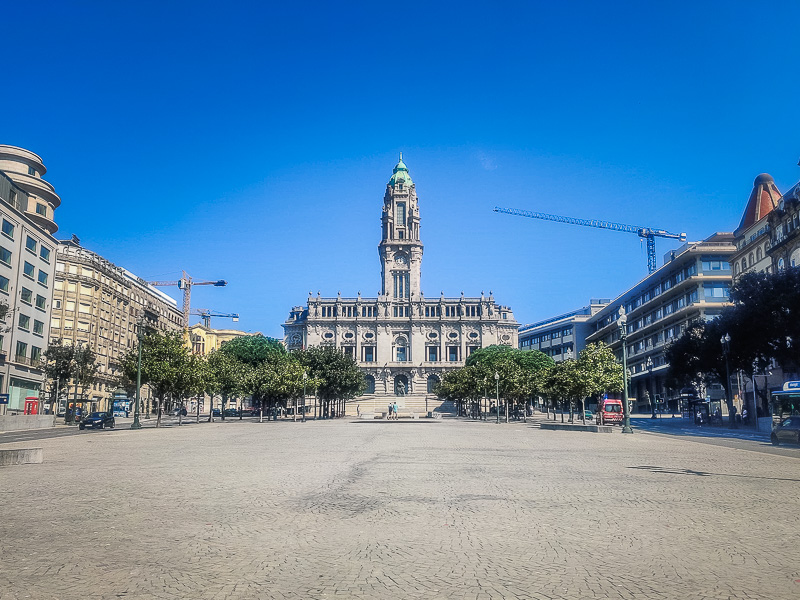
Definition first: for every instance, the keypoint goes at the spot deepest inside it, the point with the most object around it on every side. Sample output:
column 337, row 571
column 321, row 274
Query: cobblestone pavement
column 452, row 509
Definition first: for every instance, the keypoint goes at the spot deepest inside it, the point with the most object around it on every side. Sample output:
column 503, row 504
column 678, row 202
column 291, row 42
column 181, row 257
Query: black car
column 787, row 431
column 215, row 412
column 231, row 412
column 97, row 420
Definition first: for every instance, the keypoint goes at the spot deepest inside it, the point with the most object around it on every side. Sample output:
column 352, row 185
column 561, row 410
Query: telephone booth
column 31, row 405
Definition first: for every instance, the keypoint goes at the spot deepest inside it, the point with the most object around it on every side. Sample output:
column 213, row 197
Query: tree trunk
column 160, row 401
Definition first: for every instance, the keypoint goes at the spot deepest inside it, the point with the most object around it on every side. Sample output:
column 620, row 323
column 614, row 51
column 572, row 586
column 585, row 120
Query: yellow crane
column 185, row 283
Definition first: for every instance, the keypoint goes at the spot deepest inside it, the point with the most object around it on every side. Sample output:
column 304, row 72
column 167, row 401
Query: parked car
column 588, row 415
column 231, row 412
column 787, row 431
column 179, row 411
column 97, row 420
column 215, row 412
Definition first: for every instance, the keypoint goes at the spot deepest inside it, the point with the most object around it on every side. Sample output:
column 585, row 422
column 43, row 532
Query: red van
column 609, row 412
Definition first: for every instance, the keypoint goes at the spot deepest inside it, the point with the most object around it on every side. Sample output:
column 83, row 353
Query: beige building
column 27, row 266
column 205, row 340
column 98, row 303
column 402, row 340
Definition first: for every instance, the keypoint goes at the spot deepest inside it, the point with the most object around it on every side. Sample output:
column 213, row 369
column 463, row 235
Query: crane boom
column 185, row 283
column 648, row 233
column 206, row 314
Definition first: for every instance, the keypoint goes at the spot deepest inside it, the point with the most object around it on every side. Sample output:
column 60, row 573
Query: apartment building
column 693, row 283
column 95, row 302
column 564, row 336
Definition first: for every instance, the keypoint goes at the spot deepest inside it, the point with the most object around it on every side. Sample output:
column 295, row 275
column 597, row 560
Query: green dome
column 400, row 173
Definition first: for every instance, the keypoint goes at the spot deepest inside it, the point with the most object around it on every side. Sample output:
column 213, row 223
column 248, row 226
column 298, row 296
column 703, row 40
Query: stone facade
column 402, row 340
column 95, row 302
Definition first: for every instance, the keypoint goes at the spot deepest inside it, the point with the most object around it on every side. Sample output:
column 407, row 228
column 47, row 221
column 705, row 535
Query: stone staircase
column 376, row 406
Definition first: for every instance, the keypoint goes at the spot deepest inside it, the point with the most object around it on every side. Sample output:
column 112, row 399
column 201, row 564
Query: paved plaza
column 416, row 509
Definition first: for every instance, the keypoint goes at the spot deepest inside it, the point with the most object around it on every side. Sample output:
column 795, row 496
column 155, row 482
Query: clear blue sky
column 253, row 141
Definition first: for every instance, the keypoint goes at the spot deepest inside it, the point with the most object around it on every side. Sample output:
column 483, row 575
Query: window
column 41, row 209
column 716, row 291
column 8, row 229
column 41, row 302
column 400, row 354
column 31, row 171
column 400, row 213
column 29, row 270
column 36, row 354
column 5, row 256
column 38, row 327
column 31, row 244
column 43, row 278
column 471, row 349
column 26, row 296
column 4, row 283
column 452, row 353
column 44, row 253
column 24, row 322
column 433, row 353
column 711, row 263
column 368, row 353
column 22, row 350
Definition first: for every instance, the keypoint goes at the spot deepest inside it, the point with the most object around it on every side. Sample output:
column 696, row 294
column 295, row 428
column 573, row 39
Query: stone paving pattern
column 343, row 509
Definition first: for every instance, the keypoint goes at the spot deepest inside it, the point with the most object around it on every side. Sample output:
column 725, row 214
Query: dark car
column 97, row 420
column 215, row 412
column 787, row 431
column 231, row 412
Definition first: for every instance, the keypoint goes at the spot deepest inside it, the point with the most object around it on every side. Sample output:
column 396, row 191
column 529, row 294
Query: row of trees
column 250, row 366
column 525, row 375
column 763, row 325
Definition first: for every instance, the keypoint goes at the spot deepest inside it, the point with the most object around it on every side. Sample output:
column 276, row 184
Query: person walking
column 394, row 410
column 389, row 412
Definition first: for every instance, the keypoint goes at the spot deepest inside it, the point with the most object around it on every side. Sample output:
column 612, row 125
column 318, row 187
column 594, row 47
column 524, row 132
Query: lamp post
column 725, row 340
column 497, row 389
column 305, row 380
column 623, row 335
column 649, row 366
column 140, row 336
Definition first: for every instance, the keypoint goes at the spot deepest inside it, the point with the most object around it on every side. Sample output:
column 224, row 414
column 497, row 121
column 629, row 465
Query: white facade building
column 27, row 267
column 402, row 340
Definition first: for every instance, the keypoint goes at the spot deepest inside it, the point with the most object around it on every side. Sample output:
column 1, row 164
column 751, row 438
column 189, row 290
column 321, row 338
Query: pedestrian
column 358, row 410
column 394, row 410
column 389, row 412
column 698, row 418
column 745, row 415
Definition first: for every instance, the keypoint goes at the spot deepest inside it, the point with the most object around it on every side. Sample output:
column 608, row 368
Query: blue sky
column 253, row 141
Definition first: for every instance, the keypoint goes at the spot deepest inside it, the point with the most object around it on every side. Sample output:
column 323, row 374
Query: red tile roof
column 763, row 199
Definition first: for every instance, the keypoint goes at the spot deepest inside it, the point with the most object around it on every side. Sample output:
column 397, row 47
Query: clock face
column 401, row 259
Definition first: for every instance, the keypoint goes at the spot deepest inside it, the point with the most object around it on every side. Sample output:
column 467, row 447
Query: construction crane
column 185, row 283
column 647, row 233
column 206, row 315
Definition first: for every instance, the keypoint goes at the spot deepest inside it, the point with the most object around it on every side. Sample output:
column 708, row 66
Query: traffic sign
column 3, row 398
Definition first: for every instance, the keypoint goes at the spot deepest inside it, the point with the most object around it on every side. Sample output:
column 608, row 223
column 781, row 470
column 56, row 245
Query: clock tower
column 400, row 249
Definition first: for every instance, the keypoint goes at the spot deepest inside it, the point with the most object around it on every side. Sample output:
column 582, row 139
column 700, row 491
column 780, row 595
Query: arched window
column 758, row 253
column 744, row 265
column 370, row 384
column 401, row 349
column 781, row 264
column 432, row 381
column 750, row 260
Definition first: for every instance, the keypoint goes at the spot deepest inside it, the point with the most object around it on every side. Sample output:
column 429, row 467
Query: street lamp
column 725, row 340
column 622, row 322
column 140, row 336
column 497, row 385
column 305, row 380
column 648, row 364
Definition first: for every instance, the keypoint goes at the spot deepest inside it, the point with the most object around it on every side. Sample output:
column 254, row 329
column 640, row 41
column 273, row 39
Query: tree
column 67, row 362
column 338, row 375
column 193, row 380
column 229, row 376
column 696, row 357
column 164, row 358
column 603, row 372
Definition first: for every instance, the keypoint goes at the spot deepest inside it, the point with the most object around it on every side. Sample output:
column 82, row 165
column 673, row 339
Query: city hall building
column 402, row 340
